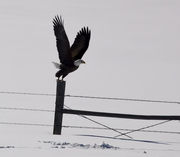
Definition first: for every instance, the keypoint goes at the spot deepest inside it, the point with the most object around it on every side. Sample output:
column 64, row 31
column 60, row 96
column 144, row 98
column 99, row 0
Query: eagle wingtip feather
column 58, row 20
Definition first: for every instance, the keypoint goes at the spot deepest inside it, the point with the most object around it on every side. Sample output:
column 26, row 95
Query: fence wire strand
column 92, row 97
column 86, row 127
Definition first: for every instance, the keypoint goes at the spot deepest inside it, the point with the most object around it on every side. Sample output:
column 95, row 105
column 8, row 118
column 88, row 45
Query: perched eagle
column 70, row 57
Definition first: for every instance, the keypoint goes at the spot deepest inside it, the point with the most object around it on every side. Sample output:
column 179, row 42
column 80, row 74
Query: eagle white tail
column 57, row 65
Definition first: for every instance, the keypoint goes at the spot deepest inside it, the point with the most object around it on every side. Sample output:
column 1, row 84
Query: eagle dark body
column 65, row 70
column 70, row 57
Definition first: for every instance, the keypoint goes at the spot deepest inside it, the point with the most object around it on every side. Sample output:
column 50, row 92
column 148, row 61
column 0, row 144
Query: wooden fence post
column 58, row 116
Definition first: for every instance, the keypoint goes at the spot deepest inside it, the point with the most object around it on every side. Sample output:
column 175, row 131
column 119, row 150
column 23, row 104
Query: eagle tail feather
column 56, row 65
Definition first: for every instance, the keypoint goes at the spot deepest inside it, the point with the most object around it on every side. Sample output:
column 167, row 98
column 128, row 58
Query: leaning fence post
column 58, row 116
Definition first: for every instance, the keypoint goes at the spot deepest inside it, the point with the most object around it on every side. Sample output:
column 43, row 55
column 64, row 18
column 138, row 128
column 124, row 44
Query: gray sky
column 134, row 49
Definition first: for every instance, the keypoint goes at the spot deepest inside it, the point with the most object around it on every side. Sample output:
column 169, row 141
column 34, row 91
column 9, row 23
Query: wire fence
column 84, row 127
column 105, row 127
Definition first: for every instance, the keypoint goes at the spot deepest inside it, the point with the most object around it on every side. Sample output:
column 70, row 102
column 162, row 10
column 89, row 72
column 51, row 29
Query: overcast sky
column 134, row 49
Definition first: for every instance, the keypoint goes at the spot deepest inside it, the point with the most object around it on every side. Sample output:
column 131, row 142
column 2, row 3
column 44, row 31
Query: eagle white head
column 78, row 62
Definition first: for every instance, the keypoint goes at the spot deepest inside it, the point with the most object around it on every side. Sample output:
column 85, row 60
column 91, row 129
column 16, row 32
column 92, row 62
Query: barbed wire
column 92, row 97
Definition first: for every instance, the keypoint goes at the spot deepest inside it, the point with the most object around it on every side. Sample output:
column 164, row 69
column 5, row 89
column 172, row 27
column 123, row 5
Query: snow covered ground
column 133, row 53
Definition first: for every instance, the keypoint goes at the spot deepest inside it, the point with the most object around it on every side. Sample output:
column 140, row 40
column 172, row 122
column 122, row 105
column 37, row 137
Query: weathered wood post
column 58, row 116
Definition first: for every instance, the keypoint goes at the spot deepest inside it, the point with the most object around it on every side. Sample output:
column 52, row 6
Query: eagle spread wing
column 80, row 44
column 62, row 41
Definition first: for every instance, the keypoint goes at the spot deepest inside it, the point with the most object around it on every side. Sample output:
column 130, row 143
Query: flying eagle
column 70, row 57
